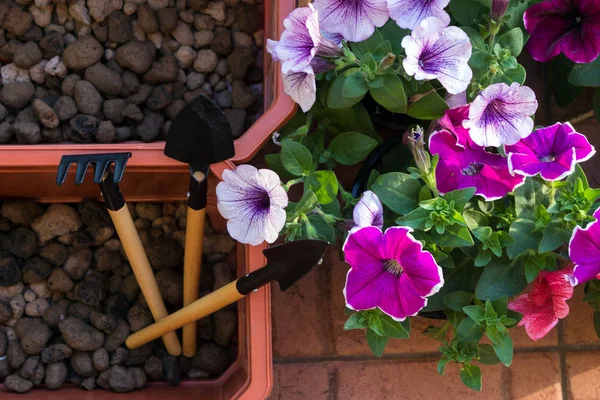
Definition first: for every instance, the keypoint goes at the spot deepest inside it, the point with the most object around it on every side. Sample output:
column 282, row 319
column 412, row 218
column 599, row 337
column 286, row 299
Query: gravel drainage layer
column 111, row 70
column 68, row 298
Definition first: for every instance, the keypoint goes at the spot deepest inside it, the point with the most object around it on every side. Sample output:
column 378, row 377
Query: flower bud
column 499, row 7
column 416, row 142
column 387, row 61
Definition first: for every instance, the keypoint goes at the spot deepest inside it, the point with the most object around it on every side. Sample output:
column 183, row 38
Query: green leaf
column 513, row 39
column 397, row 191
column 382, row 50
column 426, row 103
column 475, row 37
column 523, row 231
column 515, row 10
column 355, row 321
column 392, row 32
column 296, row 158
column 355, row 85
column 482, row 233
column 504, row 349
column 483, row 258
column 454, row 236
column 391, row 95
column 579, row 174
column 332, row 208
column 460, row 197
column 324, row 184
column 518, row 74
column 457, row 300
column 597, row 323
column 501, row 279
column 531, row 271
column 468, row 331
column 394, row 329
column 350, row 148
column 439, row 333
column 487, row 355
column 466, row 11
column 554, row 236
column 501, row 305
column 470, row 375
column 525, row 199
column 473, row 312
column 415, row 219
column 307, row 203
column 376, row 343
column 441, row 367
column 335, row 97
column 585, row 74
column 564, row 93
column 274, row 163
column 354, row 119
column 367, row 46
column 322, row 228
column 372, row 178
column 474, row 218
column 463, row 277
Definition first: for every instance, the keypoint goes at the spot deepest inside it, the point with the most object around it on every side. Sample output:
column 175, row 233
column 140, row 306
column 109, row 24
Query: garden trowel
column 200, row 135
column 286, row 264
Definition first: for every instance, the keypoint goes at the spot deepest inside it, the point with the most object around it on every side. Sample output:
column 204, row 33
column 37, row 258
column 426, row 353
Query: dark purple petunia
column 551, row 152
column 568, row 26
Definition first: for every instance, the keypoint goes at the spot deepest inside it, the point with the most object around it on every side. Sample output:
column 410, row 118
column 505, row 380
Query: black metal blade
column 286, row 264
column 100, row 161
column 200, row 135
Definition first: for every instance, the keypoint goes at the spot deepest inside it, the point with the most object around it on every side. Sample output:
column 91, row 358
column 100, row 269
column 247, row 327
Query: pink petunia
column 584, row 251
column 545, row 304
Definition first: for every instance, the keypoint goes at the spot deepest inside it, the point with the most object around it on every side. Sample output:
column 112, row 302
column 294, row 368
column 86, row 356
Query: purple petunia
column 355, row 20
column 568, row 26
column 436, row 51
column 500, row 115
column 409, row 14
column 552, row 152
column 389, row 270
column 584, row 251
column 253, row 201
column 368, row 211
column 463, row 164
column 301, row 87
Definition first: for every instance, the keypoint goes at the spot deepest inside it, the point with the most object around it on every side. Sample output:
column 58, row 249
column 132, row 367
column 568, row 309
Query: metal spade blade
column 286, row 264
column 200, row 135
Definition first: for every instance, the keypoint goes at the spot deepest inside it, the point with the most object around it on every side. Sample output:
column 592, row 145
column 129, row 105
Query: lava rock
column 101, row 360
column 27, row 56
column 211, row 358
column 65, row 108
column 170, row 284
column 56, row 374
column 56, row 353
column 79, row 335
column 248, row 18
column 239, row 62
column 33, row 370
column 17, row 22
column 84, row 128
column 52, row 135
column 206, row 61
column 147, row 19
column 52, row 45
column 118, row 337
column 154, row 368
column 104, row 79
column 112, row 110
column 15, row 383
column 144, row 91
column 83, row 53
column 17, row 94
column 167, row 20
column 15, row 354
column 106, row 132
column 59, row 219
column 222, row 43
column 120, row 29
column 139, row 317
column 121, row 380
column 164, row 254
column 165, row 70
column 83, row 364
column 35, row 337
column 87, row 98
column 171, row 372
column 105, row 323
column 149, row 129
column 237, row 120
column 226, row 324
column 27, row 132
column 60, row 281
column 136, row 56
column 160, row 98
column 45, row 114
column 54, row 253
column 36, row 270
column 23, row 242
column 56, row 312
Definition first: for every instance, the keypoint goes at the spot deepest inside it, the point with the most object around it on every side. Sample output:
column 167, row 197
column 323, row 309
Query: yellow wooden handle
column 143, row 272
column 192, row 266
column 199, row 309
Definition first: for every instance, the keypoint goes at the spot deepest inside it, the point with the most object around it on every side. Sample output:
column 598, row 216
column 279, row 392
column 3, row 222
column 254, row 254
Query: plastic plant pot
column 248, row 378
column 28, row 171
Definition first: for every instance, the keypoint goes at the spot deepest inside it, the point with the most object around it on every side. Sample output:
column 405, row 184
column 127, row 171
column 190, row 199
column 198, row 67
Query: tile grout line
column 564, row 380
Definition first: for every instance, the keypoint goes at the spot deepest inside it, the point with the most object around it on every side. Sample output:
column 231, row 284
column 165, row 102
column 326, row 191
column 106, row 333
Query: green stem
column 291, row 183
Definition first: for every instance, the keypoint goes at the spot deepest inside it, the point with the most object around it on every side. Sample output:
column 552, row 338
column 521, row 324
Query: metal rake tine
column 119, row 170
column 63, row 169
column 81, row 171
column 100, row 169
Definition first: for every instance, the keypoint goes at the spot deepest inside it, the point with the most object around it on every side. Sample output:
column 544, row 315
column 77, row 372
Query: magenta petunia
column 408, row 14
column 390, row 271
column 467, row 165
column 551, row 152
column 368, row 211
column 568, row 26
column 302, row 42
column 355, row 20
column 437, row 51
column 545, row 304
column 584, row 251
column 501, row 115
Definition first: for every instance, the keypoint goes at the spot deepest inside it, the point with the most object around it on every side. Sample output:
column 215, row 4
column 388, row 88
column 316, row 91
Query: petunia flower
column 584, row 251
column 408, row 14
column 389, row 270
column 437, row 51
column 552, row 152
column 301, row 87
column 568, row 26
column 355, row 20
column 368, row 211
column 467, row 165
column 545, row 304
column 253, row 201
column 453, row 122
column 302, row 41
column 500, row 115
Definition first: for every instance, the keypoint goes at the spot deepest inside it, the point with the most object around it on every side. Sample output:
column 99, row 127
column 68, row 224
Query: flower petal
column 363, row 287
column 354, row 19
column 408, row 14
column 538, row 325
column 584, row 251
column 301, row 87
column 368, row 211
column 362, row 248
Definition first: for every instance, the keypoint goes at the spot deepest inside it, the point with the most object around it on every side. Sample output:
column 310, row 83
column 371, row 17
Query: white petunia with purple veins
column 301, row 87
column 501, row 115
column 355, row 20
column 437, row 51
column 302, row 41
column 368, row 211
column 253, row 201
column 409, row 14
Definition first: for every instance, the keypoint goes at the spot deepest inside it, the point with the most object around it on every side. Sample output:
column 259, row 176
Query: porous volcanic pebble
column 59, row 219
column 87, row 98
column 136, row 56
column 35, row 337
column 121, row 380
column 45, row 114
column 104, row 79
column 56, row 374
column 27, row 55
column 79, row 335
column 15, row 383
column 17, row 21
column 17, row 94
column 165, row 70
column 83, row 53
column 10, row 272
column 65, row 108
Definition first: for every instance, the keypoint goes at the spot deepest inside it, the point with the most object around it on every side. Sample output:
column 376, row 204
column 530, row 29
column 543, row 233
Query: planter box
column 249, row 377
column 29, row 171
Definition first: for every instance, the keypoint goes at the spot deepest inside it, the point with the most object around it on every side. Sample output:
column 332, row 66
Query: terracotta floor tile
column 410, row 380
column 535, row 377
column 583, row 371
column 301, row 318
column 579, row 328
column 300, row 382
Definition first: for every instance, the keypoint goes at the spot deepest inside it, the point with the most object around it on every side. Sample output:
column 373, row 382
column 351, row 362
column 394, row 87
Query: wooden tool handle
column 192, row 266
column 199, row 309
column 143, row 272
